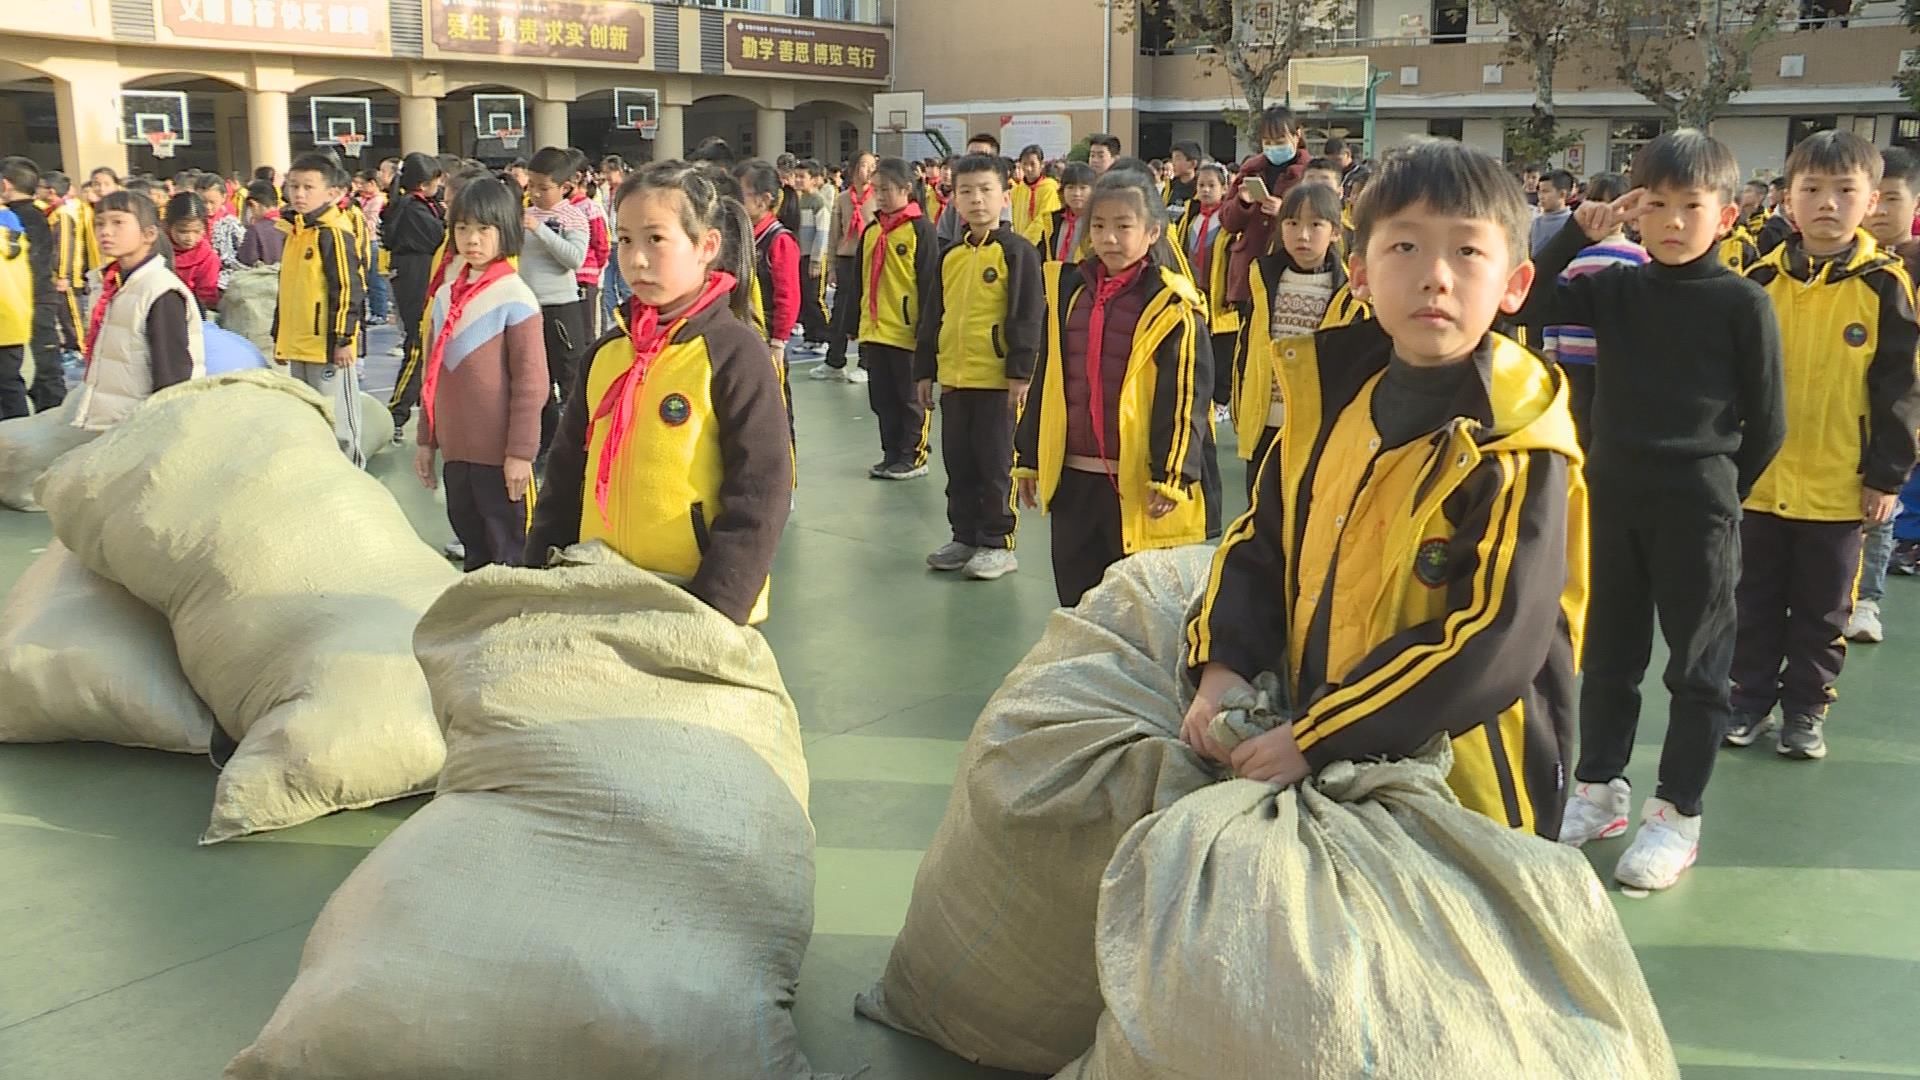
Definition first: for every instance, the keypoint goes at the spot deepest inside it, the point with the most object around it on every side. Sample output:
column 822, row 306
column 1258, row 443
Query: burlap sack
column 29, row 444
column 83, row 660
column 376, row 427
column 291, row 579
column 1361, row 924
column 616, row 878
column 248, row 304
column 995, row 962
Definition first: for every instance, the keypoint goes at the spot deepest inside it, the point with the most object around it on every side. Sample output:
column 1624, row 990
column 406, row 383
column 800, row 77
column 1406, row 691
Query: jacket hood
column 1527, row 399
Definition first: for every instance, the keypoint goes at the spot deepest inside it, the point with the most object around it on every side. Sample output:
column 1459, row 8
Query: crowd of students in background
column 598, row 351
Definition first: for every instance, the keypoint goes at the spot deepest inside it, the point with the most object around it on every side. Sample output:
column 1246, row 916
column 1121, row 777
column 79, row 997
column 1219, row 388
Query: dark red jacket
column 1253, row 232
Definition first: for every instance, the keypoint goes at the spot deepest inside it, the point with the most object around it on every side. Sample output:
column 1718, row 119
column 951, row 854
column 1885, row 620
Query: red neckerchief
column 878, row 262
column 1202, row 254
column 854, row 228
column 1033, row 198
column 439, row 278
column 649, row 339
column 1105, row 288
column 760, row 227
column 1064, row 245
column 465, row 288
column 109, row 285
column 186, row 262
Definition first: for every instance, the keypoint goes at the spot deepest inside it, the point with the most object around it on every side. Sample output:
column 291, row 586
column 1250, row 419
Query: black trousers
column 1210, row 481
column 896, row 401
column 846, row 311
column 1086, row 533
column 13, row 389
column 49, row 377
column 1260, row 448
column 1796, row 592
column 589, row 312
column 1224, row 372
column 1580, row 384
column 413, row 364
column 566, row 336
column 492, row 526
column 813, row 312
column 68, row 319
column 1666, row 557
column 976, row 439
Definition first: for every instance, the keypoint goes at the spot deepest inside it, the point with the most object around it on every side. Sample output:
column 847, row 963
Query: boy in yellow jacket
column 898, row 254
column 1414, row 561
column 316, row 331
column 1848, row 341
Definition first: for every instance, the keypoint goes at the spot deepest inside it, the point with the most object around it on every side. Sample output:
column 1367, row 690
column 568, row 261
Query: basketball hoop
column 161, row 143
column 648, row 129
column 509, row 138
column 351, row 144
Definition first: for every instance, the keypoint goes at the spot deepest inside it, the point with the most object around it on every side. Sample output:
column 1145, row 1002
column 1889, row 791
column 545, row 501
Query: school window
column 1906, row 132
column 1455, row 129
column 1801, row 127
column 835, row 10
column 1625, row 138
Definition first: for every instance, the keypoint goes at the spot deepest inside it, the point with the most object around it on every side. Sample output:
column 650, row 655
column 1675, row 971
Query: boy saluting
column 1414, row 560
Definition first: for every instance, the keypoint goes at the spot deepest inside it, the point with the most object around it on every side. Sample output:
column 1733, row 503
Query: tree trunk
column 1250, row 134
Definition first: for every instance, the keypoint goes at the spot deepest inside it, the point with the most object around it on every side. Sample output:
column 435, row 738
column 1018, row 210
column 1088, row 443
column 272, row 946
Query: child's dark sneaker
column 1804, row 738
column 1746, row 728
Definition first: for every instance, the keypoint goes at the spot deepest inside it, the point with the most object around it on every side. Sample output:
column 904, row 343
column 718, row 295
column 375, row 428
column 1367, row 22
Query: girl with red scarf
column 672, row 447
column 485, row 380
column 898, row 256
column 194, row 261
column 1114, row 439
column 1206, row 240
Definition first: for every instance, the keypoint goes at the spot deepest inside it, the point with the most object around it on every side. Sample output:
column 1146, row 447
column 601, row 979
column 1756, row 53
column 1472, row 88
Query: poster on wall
column 275, row 25
column 591, row 30
column 1052, row 132
column 1577, row 159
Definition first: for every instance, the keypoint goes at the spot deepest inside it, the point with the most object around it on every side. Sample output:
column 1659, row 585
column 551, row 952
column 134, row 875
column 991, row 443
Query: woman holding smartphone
column 1252, row 211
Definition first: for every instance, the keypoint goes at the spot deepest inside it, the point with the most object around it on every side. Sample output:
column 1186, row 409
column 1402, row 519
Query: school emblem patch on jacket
column 990, row 276
column 675, row 410
column 1430, row 563
column 1855, row 334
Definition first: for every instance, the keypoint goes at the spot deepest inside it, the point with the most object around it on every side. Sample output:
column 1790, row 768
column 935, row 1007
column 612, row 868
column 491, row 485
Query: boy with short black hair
column 1102, row 151
column 1847, row 320
column 1322, row 171
column 1180, row 190
column 1687, row 416
column 316, row 329
column 1555, row 189
column 19, row 180
column 70, row 264
column 1753, row 204
column 978, row 341
column 897, row 256
column 1414, row 560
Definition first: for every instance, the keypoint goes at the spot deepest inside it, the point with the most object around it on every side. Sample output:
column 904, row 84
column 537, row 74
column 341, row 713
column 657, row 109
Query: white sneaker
column 1864, row 624
column 991, row 564
column 1222, row 414
column 1668, row 842
column 1597, row 812
column 856, row 375
column 823, row 373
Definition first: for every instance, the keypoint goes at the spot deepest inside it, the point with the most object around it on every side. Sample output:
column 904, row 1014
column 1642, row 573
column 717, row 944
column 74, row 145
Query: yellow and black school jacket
column 323, row 282
column 1435, row 587
column 1165, row 406
column 1253, row 360
column 984, row 314
column 912, row 258
column 1033, row 205
column 1737, row 250
column 702, row 490
column 16, row 281
column 69, row 247
column 91, row 238
column 1847, row 342
column 1223, row 317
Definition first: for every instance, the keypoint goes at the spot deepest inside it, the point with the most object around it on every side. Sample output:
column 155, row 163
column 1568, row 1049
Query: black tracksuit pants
column 846, row 311
column 976, row 439
column 493, row 527
column 813, row 313
column 1666, row 556
column 1796, row 592
column 1224, row 372
column 13, row 389
column 565, row 327
column 49, row 376
column 895, row 399
column 1087, row 539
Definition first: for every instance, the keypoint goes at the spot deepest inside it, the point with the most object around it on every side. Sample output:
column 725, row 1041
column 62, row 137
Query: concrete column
column 419, row 126
column 89, row 121
column 769, row 133
column 671, row 142
column 549, row 124
column 267, row 129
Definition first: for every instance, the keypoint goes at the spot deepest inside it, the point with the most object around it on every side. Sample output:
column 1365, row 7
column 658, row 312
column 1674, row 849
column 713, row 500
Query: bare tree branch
column 1689, row 57
column 1252, row 40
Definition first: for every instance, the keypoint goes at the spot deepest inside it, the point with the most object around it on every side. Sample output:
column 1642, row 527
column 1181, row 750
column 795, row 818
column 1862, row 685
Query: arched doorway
column 727, row 117
column 29, row 119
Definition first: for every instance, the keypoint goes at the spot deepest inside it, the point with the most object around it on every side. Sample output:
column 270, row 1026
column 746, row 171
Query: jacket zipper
column 1861, row 423
column 701, row 538
column 999, row 350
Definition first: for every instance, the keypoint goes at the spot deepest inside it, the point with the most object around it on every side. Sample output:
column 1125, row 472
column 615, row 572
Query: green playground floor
column 127, row 953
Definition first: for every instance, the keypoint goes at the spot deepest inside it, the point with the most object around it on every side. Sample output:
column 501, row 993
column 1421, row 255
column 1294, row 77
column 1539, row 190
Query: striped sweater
column 493, row 376
column 1568, row 344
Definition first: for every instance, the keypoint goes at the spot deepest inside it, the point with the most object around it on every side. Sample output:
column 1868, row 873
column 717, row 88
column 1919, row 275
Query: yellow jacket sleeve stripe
column 1496, row 550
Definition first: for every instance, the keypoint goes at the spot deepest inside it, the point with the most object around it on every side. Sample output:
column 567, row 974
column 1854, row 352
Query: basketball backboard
column 1325, row 84
column 900, row 112
column 341, row 122
column 501, row 118
column 637, row 110
column 144, row 112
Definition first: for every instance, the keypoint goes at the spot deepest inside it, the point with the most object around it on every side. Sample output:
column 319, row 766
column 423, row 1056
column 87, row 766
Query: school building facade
column 1443, row 68
column 767, row 75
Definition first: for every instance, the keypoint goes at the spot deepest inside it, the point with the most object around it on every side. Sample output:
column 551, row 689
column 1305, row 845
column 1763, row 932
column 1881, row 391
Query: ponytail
column 710, row 199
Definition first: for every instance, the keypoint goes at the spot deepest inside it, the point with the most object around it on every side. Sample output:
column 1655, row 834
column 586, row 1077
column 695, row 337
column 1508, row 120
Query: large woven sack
column 1363, row 923
column 616, row 878
column 1082, row 740
column 29, row 444
column 291, row 579
column 248, row 304
column 82, row 659
column 376, row 426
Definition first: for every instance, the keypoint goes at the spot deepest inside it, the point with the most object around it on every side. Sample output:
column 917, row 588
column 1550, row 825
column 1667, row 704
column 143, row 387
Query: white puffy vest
column 120, row 376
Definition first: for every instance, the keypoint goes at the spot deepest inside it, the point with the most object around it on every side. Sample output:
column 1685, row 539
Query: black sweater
column 1689, row 393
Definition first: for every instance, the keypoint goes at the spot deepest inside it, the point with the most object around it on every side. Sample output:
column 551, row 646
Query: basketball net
column 161, row 142
column 509, row 138
column 351, row 145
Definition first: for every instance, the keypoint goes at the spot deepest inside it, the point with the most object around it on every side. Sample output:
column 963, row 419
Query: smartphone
column 1255, row 188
